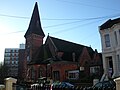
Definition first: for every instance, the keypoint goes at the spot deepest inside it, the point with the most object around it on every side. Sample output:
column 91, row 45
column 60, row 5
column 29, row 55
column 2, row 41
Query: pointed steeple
column 35, row 24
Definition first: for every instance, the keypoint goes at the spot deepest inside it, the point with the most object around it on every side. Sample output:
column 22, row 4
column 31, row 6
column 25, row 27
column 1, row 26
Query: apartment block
column 11, row 60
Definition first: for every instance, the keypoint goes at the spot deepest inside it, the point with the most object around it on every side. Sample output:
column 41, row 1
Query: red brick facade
column 62, row 68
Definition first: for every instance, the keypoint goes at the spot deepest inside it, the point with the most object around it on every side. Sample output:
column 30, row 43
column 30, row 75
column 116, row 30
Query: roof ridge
column 68, row 41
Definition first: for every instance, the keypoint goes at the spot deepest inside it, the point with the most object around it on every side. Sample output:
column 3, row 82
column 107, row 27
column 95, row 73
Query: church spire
column 35, row 24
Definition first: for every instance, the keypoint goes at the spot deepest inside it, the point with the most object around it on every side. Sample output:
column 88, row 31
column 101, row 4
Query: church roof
column 35, row 24
column 42, row 54
column 69, row 47
column 109, row 23
column 63, row 45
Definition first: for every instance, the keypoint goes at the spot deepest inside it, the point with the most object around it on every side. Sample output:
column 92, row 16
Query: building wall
column 52, row 47
column 59, row 70
column 63, row 67
column 11, row 59
column 84, row 61
column 33, row 43
column 22, row 46
column 34, row 72
column 112, row 52
column 21, row 73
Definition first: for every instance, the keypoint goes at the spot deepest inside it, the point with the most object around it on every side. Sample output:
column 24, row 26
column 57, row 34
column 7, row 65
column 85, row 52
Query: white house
column 110, row 40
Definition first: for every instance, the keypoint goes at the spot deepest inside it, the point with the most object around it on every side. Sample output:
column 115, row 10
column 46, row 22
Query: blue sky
column 72, row 20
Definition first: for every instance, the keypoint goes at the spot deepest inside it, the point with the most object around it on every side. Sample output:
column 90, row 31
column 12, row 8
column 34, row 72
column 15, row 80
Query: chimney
column 73, row 56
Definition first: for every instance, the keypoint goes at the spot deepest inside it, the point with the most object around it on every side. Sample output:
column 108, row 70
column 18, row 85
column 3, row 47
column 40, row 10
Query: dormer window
column 107, row 40
column 60, row 54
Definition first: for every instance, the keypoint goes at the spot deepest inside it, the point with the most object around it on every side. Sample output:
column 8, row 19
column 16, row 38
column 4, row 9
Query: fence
column 48, row 87
column 2, row 87
column 10, row 86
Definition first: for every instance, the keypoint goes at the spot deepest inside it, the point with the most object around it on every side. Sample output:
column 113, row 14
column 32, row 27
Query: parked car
column 62, row 84
column 67, row 84
column 105, row 84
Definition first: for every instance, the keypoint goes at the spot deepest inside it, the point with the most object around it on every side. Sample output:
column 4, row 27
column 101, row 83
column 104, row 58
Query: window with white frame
column 95, row 69
column 73, row 74
column 56, row 75
column 12, row 62
column 107, row 40
column 7, row 50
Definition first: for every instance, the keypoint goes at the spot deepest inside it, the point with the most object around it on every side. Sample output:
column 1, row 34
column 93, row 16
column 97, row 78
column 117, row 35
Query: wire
column 14, row 16
column 77, row 19
column 87, row 5
column 52, row 26
column 61, row 19
column 15, row 32
column 73, row 28
column 57, row 25
column 96, row 18
column 81, row 20
column 12, row 32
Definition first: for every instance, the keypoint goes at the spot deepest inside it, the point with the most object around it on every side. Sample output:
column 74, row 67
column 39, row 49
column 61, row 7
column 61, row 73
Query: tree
column 3, row 72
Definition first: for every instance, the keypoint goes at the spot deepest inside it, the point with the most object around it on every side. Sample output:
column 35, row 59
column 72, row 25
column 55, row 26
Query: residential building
column 110, row 40
column 57, row 58
column 22, row 46
column 13, row 58
column 11, row 61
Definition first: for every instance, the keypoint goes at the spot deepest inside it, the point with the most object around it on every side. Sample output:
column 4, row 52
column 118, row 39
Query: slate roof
column 42, row 54
column 69, row 47
column 35, row 24
column 109, row 23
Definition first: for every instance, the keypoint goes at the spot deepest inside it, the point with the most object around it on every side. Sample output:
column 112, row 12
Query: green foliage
column 3, row 72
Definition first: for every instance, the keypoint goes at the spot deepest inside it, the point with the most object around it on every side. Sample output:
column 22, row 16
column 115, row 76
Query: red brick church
column 56, row 58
